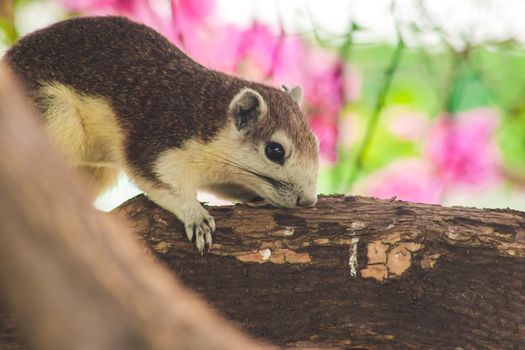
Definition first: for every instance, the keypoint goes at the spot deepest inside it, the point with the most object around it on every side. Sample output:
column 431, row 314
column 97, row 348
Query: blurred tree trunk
column 75, row 278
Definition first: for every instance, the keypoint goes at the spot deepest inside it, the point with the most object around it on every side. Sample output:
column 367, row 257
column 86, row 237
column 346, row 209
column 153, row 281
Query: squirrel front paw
column 198, row 223
column 199, row 231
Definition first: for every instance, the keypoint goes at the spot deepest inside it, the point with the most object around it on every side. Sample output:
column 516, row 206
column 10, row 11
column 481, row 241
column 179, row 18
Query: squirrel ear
column 296, row 94
column 246, row 108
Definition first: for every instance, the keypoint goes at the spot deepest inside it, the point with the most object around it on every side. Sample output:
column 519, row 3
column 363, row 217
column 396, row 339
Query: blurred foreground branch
column 74, row 277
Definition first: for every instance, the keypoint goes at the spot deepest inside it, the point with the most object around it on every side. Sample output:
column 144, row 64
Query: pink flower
column 461, row 151
column 192, row 11
column 263, row 55
column 89, row 5
column 186, row 15
column 324, row 98
column 463, row 148
column 215, row 48
column 288, row 65
column 327, row 134
column 137, row 10
column 256, row 52
column 188, row 19
column 323, row 83
column 409, row 180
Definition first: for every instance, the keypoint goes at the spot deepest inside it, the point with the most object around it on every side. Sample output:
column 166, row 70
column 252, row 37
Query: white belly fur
column 84, row 128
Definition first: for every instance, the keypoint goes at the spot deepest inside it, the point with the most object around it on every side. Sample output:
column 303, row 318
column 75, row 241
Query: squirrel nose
column 303, row 201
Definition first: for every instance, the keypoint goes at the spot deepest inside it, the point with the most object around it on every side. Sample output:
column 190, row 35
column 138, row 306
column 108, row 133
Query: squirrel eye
column 275, row 152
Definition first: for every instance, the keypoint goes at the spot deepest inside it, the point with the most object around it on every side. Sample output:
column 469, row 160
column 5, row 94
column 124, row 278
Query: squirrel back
column 116, row 95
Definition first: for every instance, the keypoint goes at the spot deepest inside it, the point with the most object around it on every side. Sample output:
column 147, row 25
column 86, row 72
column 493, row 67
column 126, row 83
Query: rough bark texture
column 356, row 272
column 76, row 279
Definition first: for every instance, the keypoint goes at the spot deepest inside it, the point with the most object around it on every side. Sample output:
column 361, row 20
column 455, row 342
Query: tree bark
column 356, row 272
column 76, row 279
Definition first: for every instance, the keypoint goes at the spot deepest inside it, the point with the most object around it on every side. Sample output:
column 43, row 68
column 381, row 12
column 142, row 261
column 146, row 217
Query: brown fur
column 116, row 95
column 160, row 96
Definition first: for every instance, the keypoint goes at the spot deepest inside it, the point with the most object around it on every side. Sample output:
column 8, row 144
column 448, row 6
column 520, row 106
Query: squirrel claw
column 200, row 233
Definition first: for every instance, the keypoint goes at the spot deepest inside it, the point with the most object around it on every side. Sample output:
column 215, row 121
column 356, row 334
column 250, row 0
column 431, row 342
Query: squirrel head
column 276, row 151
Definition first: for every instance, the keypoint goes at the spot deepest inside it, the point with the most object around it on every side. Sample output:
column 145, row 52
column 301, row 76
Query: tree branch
column 356, row 272
column 74, row 277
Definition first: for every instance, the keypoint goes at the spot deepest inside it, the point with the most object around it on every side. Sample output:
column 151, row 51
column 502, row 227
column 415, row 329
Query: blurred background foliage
column 414, row 99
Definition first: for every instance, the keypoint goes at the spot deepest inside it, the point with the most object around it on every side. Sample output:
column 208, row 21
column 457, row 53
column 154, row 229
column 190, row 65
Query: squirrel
column 117, row 95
